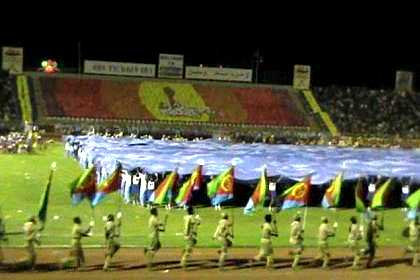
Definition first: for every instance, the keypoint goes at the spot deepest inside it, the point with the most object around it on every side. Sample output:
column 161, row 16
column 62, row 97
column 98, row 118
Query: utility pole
column 79, row 57
column 258, row 60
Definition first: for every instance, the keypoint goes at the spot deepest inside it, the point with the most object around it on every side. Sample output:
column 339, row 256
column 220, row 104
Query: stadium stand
column 362, row 111
column 163, row 101
column 241, row 111
column 9, row 105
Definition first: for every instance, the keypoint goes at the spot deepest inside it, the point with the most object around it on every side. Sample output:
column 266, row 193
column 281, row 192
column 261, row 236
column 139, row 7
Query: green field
column 23, row 177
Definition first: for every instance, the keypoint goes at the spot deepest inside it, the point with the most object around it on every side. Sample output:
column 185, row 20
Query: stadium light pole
column 79, row 57
column 258, row 59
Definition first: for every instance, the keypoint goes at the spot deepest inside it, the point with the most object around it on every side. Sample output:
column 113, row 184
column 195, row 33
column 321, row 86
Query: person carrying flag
column 77, row 257
column 2, row 238
column 31, row 234
column 268, row 230
column 155, row 226
column 112, row 234
column 325, row 232
column 220, row 188
column 414, row 239
column 355, row 235
column 296, row 240
column 372, row 234
column 224, row 235
column 191, row 224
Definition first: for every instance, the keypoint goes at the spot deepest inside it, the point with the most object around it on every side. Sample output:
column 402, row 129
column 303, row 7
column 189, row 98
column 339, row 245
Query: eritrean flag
column 109, row 185
column 298, row 194
column 332, row 194
column 160, row 195
column 193, row 183
column 413, row 201
column 220, row 189
column 43, row 205
column 84, row 186
column 359, row 197
column 259, row 195
column 381, row 196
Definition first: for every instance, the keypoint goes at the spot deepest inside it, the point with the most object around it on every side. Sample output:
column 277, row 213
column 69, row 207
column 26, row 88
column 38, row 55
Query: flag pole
column 304, row 217
column 120, row 203
column 92, row 213
column 233, row 220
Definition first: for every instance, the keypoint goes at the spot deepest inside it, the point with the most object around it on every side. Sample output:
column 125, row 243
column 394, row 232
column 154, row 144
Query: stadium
column 123, row 138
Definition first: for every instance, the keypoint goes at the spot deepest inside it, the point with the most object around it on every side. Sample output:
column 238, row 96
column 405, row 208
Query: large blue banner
column 290, row 161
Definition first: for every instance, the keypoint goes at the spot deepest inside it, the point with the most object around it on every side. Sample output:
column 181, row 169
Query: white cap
column 235, row 161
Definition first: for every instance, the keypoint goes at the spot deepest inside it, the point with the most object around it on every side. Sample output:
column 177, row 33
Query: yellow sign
column 302, row 77
column 174, row 102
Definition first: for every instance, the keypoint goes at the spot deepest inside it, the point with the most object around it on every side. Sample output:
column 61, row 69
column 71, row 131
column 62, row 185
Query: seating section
column 9, row 105
column 363, row 111
column 170, row 101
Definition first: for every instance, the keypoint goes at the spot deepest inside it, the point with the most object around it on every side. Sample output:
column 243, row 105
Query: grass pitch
column 23, row 178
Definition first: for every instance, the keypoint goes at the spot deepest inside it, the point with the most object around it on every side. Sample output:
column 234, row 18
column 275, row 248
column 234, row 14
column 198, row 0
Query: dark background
column 355, row 44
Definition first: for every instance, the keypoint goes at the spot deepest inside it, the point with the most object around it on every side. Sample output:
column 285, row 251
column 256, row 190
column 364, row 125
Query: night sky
column 363, row 49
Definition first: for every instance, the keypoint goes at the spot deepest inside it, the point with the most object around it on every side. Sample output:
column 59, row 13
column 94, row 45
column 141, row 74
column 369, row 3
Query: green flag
column 413, row 201
column 214, row 184
column 358, row 194
column 84, row 186
column 43, row 204
column 381, row 196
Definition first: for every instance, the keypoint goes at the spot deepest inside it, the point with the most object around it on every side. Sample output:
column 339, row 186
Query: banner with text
column 302, row 77
column 119, row 68
column 404, row 81
column 218, row 74
column 12, row 60
column 171, row 66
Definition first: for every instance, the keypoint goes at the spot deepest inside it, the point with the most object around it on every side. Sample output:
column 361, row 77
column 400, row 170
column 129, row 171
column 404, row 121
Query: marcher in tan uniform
column 31, row 232
column 2, row 238
column 268, row 229
column 414, row 239
column 296, row 240
column 324, row 233
column 191, row 224
column 372, row 234
column 353, row 239
column 112, row 234
column 77, row 257
column 224, row 235
column 155, row 227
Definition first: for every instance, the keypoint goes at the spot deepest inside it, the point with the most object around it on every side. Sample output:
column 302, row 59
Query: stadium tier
column 207, row 106
column 173, row 101
column 9, row 104
column 363, row 111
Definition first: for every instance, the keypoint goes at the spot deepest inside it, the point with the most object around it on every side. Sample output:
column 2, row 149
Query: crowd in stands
column 18, row 143
column 366, row 117
column 9, row 105
column 287, row 137
column 245, row 136
column 159, row 101
column 362, row 111
column 14, row 142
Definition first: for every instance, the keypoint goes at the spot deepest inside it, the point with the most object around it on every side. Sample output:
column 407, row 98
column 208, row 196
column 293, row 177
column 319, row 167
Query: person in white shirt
column 405, row 192
column 143, row 187
column 372, row 189
column 151, row 182
column 126, row 183
column 135, row 188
